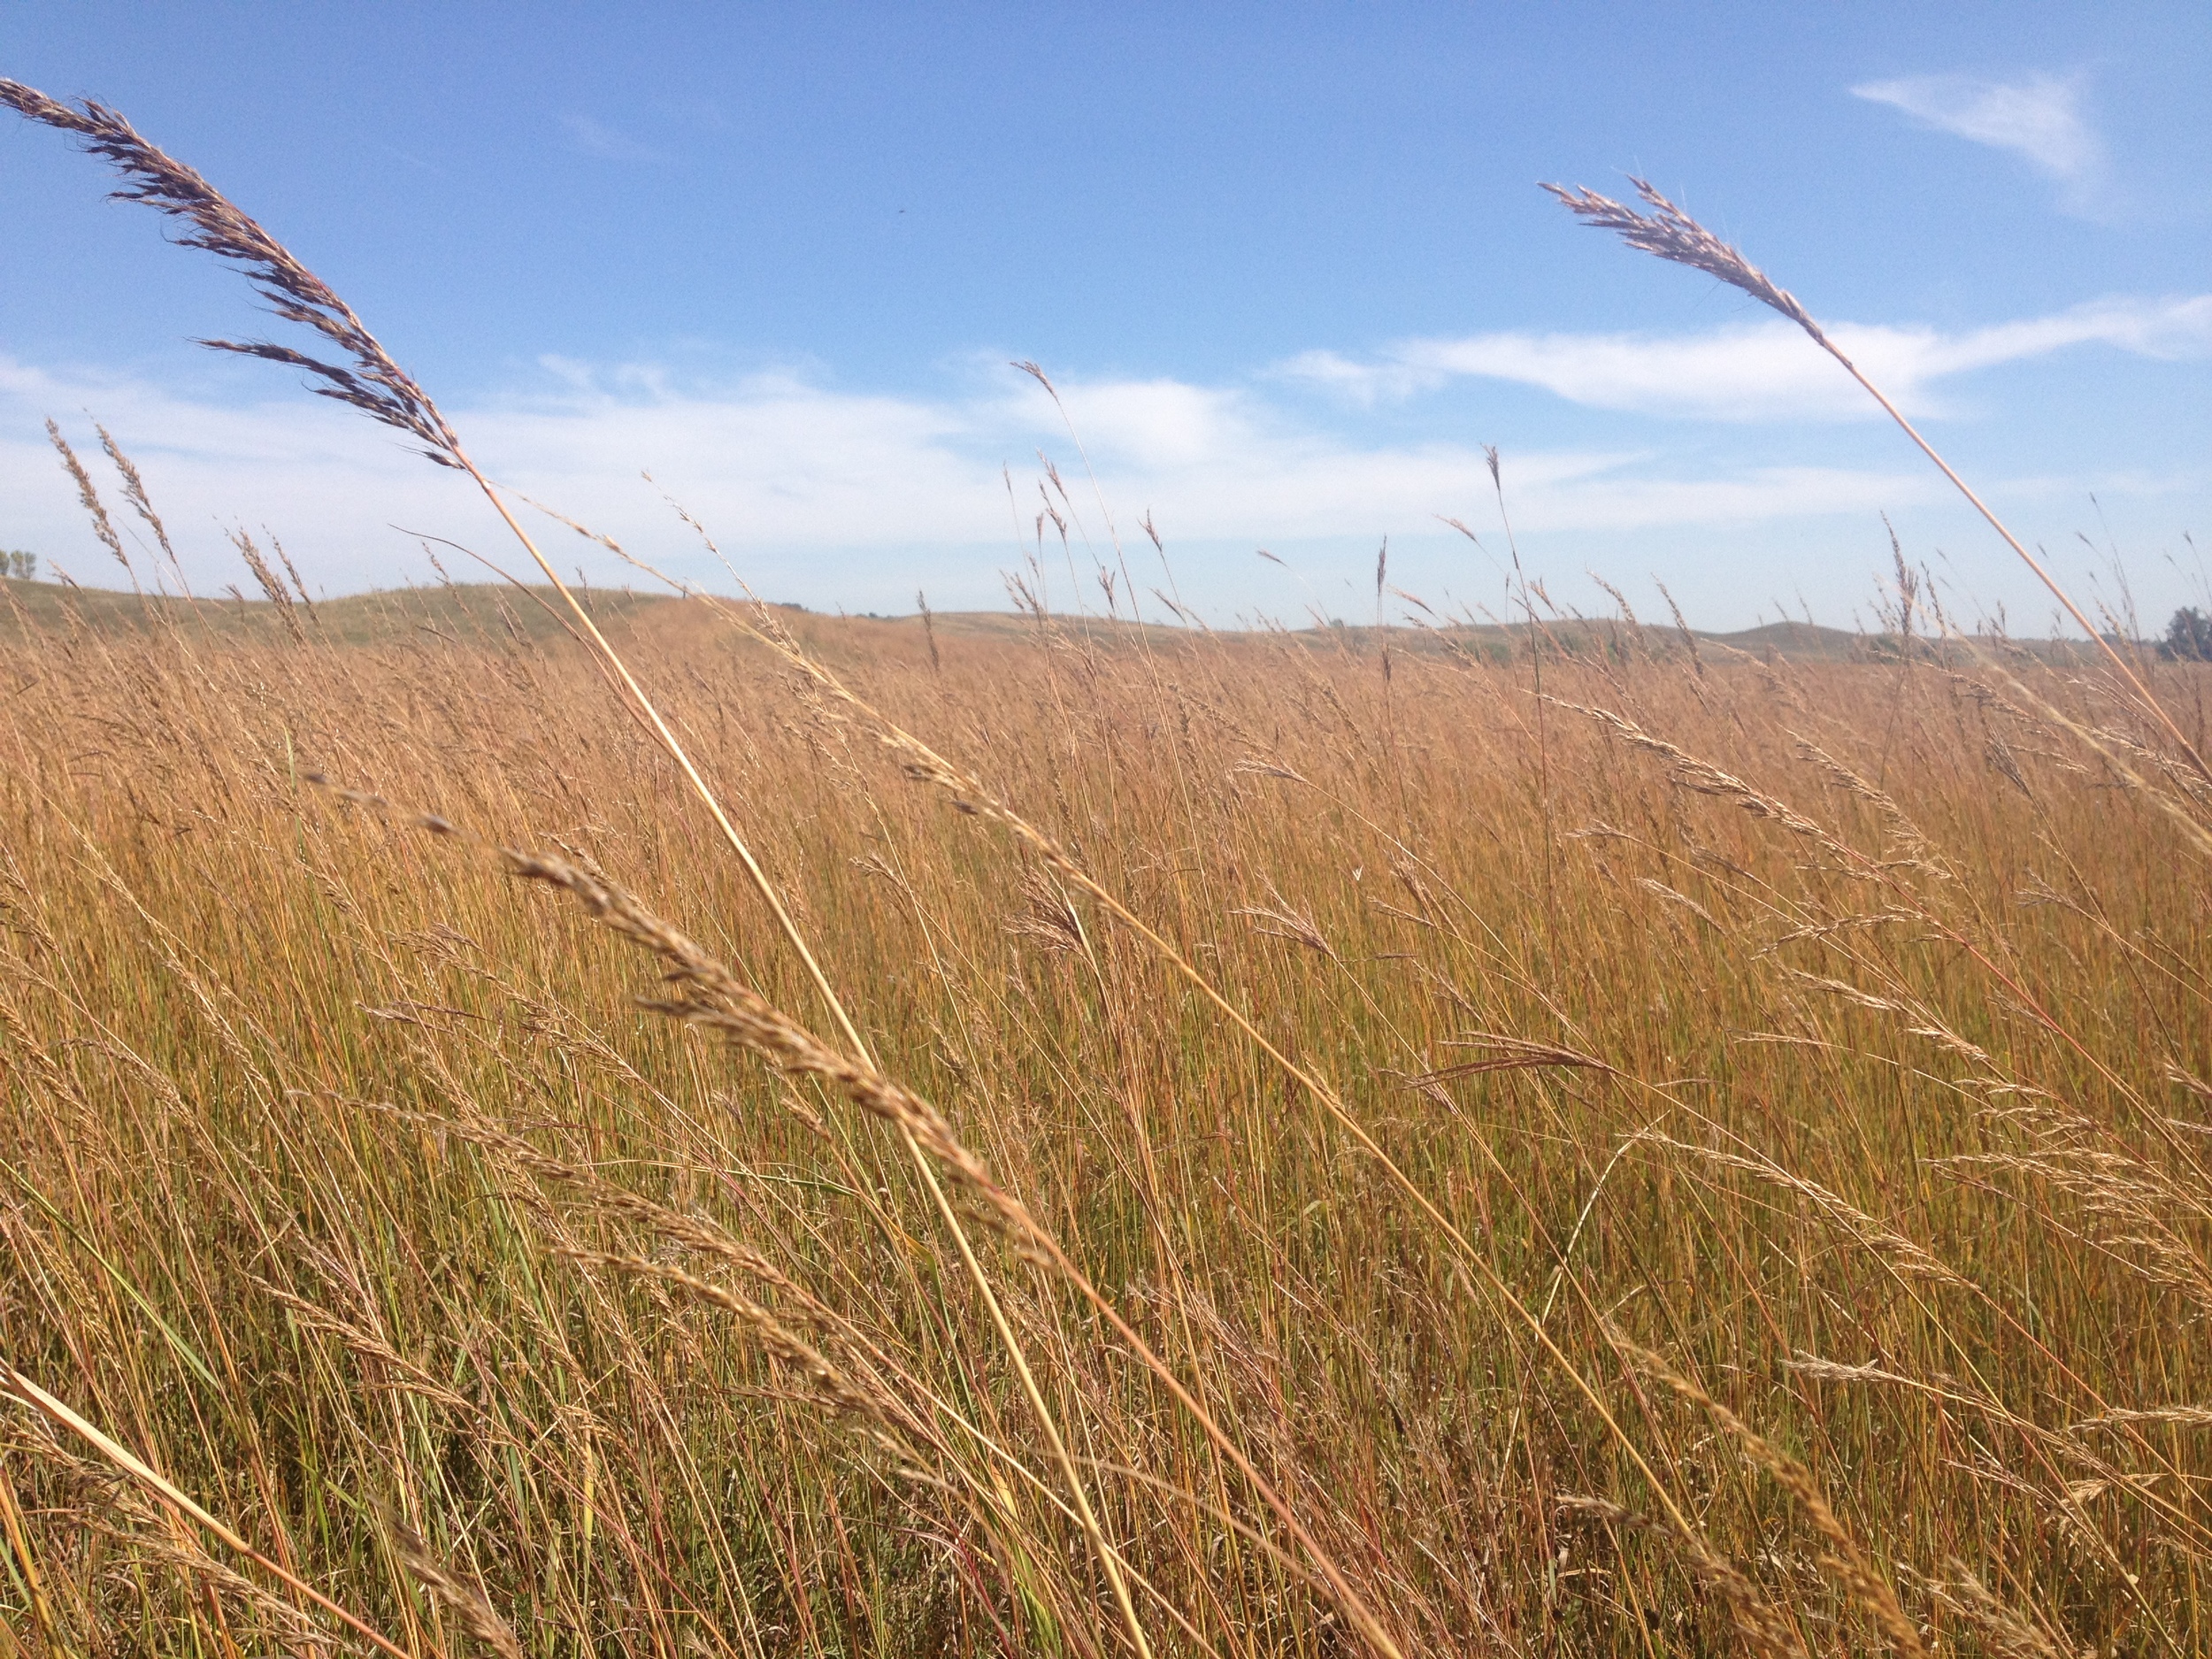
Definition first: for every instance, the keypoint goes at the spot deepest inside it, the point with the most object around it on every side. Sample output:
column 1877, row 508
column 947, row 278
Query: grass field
column 1726, row 1171
column 577, row 1124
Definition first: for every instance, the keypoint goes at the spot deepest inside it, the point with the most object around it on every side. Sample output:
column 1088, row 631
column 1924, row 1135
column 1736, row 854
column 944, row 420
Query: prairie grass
column 1834, row 1131
column 1555, row 1140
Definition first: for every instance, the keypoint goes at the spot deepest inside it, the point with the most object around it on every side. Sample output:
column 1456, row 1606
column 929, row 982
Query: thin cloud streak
column 2039, row 120
column 843, row 498
column 780, row 460
column 1763, row 370
column 591, row 136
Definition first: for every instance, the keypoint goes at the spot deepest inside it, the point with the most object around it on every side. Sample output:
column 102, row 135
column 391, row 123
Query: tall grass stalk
column 373, row 382
column 1668, row 232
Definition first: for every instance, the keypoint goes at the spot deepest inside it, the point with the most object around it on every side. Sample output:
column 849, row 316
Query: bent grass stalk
column 13, row 1381
column 745, row 1017
column 1668, row 232
column 378, row 386
column 925, row 764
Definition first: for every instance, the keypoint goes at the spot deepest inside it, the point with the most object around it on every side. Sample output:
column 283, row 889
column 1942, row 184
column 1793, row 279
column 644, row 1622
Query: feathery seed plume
column 374, row 384
column 1668, row 232
column 1671, row 233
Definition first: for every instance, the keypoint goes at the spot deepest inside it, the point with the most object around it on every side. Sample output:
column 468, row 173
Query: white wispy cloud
column 592, row 136
column 830, row 495
column 1761, row 371
column 2039, row 118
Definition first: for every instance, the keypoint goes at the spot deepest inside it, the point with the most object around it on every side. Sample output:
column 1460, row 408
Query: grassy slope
column 480, row 611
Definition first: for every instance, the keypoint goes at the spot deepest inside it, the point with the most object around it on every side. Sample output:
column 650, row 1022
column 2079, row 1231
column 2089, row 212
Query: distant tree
column 2189, row 636
column 21, row 566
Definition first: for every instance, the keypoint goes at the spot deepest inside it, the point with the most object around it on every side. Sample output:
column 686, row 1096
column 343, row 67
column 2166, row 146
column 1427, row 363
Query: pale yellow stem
column 130, row 1463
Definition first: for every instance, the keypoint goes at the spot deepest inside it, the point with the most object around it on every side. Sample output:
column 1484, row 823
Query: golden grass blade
column 24, row 1389
column 19, row 1543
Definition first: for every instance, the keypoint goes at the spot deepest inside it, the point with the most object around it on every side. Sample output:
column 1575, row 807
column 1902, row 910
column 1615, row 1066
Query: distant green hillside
column 458, row 613
column 462, row 613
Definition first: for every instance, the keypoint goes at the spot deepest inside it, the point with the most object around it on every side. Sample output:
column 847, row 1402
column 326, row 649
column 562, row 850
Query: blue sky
column 1287, row 264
